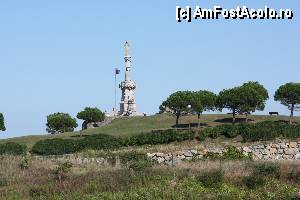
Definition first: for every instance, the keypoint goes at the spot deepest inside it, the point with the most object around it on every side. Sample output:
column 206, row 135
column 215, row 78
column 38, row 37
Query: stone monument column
column 128, row 104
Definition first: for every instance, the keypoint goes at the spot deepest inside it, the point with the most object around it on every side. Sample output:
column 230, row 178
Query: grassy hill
column 134, row 125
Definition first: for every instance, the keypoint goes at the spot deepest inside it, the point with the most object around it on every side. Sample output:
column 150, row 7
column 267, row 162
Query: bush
column 12, row 148
column 232, row 153
column 56, row 146
column 253, row 181
column 159, row 137
column 211, row 179
column 2, row 126
column 267, row 169
column 294, row 176
column 62, row 169
column 3, row 181
column 100, row 142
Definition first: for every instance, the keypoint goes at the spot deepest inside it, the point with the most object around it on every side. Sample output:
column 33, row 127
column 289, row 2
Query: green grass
column 135, row 125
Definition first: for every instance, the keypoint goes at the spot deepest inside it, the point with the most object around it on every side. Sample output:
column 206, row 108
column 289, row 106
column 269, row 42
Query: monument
column 128, row 104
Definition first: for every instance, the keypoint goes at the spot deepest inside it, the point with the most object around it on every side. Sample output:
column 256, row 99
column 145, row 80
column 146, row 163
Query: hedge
column 159, row 137
column 56, row 146
column 12, row 148
column 267, row 130
column 106, row 142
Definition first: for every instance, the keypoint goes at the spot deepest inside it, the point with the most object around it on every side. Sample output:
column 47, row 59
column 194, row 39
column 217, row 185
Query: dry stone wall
column 270, row 151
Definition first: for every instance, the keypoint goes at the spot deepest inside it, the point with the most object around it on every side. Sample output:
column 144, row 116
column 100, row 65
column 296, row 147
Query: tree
column 253, row 96
column 289, row 95
column 2, row 126
column 90, row 115
column 177, row 103
column 249, row 97
column 203, row 100
column 60, row 123
column 230, row 99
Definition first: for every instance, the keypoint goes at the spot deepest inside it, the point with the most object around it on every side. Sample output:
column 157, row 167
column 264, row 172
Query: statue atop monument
column 128, row 104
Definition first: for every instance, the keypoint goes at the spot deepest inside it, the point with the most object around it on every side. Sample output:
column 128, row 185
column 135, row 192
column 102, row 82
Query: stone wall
column 269, row 151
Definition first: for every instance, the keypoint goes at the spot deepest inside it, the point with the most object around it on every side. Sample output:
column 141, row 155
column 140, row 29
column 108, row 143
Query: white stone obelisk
column 128, row 104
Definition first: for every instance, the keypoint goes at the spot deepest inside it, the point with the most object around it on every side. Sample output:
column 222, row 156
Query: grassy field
column 134, row 125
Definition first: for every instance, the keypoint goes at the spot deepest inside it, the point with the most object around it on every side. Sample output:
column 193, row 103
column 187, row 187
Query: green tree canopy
column 177, row 103
column 202, row 100
column 289, row 95
column 2, row 126
column 253, row 96
column 60, row 123
column 244, row 99
column 91, row 115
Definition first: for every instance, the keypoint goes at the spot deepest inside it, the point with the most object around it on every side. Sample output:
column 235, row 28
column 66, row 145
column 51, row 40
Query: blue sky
column 59, row 56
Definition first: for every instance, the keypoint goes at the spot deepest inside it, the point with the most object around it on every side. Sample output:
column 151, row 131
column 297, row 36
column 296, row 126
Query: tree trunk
column 233, row 116
column 177, row 119
column 199, row 114
column 292, row 113
column 246, row 117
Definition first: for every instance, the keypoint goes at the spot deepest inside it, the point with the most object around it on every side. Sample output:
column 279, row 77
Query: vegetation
column 289, row 95
column 12, row 148
column 203, row 100
column 177, row 103
column 2, row 126
column 60, row 123
column 89, row 115
column 244, row 99
column 206, row 180
column 266, row 130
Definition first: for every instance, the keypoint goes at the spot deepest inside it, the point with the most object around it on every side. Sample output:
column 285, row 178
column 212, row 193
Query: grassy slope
column 135, row 125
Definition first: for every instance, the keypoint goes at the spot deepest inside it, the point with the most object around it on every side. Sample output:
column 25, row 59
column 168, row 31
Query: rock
column 292, row 144
column 160, row 159
column 297, row 156
column 273, row 150
column 159, row 154
column 150, row 155
column 290, row 151
column 188, row 154
column 194, row 151
column 258, row 146
column 247, row 149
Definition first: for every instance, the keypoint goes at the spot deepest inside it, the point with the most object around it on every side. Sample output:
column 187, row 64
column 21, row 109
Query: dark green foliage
column 159, row 137
column 289, row 95
column 60, row 123
column 91, row 115
column 2, row 126
column 135, row 160
column 211, row 179
column 3, row 181
column 266, row 130
column 62, row 169
column 267, row 169
column 100, row 142
column 56, row 146
column 177, row 103
column 12, row 148
column 232, row 153
column 249, row 97
column 253, row 181
column 294, row 176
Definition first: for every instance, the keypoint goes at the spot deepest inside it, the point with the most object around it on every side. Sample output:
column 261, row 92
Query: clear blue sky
column 58, row 56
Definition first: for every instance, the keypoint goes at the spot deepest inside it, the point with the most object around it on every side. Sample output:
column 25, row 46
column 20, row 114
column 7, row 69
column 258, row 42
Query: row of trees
column 63, row 122
column 244, row 99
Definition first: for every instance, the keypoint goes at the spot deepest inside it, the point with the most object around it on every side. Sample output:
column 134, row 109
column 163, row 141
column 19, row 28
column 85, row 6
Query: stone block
column 292, row 145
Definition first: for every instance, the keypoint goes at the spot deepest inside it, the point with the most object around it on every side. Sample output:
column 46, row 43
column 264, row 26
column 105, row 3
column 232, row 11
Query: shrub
column 253, row 181
column 61, row 170
column 100, row 142
column 211, row 179
column 60, row 123
column 38, row 192
column 135, row 160
column 267, row 169
column 294, row 176
column 232, row 153
column 3, row 181
column 56, row 146
column 159, row 137
column 12, row 148
column 2, row 126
